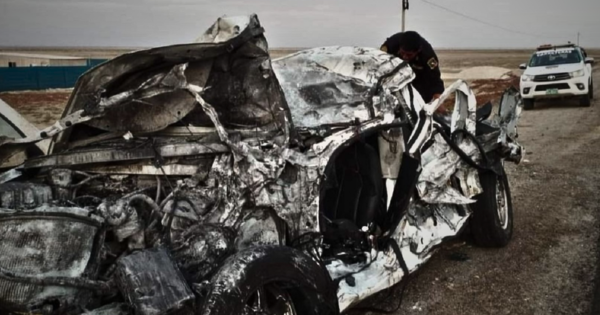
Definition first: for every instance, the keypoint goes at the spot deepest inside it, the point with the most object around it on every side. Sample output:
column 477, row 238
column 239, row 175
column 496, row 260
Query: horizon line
column 271, row 48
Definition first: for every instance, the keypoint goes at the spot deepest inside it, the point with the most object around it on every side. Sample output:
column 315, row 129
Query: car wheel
column 585, row 101
column 591, row 90
column 528, row 103
column 274, row 280
column 492, row 220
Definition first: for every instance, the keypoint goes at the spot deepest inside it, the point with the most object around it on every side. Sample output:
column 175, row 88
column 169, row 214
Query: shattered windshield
column 555, row 57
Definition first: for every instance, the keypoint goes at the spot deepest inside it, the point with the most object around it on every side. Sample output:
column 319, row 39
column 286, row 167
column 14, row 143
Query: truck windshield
column 555, row 57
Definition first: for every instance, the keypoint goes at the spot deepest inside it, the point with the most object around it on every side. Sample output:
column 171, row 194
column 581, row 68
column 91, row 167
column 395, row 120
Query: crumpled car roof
column 332, row 85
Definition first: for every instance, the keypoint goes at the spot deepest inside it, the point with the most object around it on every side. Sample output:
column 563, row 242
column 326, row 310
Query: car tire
column 492, row 219
column 591, row 90
column 297, row 283
column 585, row 101
column 528, row 103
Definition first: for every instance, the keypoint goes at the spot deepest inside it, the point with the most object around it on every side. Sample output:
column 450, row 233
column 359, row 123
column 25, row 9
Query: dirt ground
column 550, row 265
column 41, row 108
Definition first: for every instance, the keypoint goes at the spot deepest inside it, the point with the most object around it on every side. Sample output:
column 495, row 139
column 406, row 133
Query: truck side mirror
column 589, row 60
column 523, row 66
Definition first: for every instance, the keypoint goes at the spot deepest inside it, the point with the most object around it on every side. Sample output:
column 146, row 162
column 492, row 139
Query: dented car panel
column 13, row 125
column 337, row 85
column 191, row 156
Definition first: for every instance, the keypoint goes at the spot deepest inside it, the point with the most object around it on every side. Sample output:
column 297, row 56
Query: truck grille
column 551, row 77
column 559, row 86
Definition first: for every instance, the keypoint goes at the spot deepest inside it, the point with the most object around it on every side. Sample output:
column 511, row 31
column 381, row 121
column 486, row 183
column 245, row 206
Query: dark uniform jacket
column 428, row 79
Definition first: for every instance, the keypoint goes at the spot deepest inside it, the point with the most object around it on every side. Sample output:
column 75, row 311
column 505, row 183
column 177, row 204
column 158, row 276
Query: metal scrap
column 227, row 151
column 153, row 285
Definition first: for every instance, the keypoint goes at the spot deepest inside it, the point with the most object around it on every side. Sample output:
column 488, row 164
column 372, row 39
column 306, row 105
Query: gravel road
column 550, row 265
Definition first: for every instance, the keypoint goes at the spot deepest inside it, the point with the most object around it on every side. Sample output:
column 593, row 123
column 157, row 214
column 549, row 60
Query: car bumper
column 555, row 89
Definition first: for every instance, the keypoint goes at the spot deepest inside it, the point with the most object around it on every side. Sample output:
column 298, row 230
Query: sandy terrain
column 550, row 266
column 88, row 52
column 41, row 108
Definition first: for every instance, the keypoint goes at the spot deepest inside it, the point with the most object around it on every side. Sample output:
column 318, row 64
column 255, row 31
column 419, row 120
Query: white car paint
column 575, row 85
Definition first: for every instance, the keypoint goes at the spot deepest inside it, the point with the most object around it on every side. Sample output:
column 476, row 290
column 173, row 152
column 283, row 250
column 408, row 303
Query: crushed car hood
column 149, row 90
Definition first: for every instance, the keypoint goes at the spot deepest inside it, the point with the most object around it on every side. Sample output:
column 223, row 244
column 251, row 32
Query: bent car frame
column 205, row 178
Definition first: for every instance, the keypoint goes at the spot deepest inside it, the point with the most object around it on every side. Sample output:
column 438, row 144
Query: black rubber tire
column 585, row 101
column 591, row 90
column 528, row 103
column 485, row 224
column 310, row 286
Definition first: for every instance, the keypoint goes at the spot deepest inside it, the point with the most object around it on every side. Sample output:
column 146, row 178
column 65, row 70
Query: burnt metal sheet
column 153, row 285
column 199, row 249
column 111, row 309
column 259, row 228
column 10, row 175
column 511, row 106
column 232, row 58
column 334, row 85
column 150, row 100
column 440, row 162
column 168, row 170
column 18, row 196
column 94, row 156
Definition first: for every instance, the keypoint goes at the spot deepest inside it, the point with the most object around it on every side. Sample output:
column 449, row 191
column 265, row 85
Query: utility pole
column 577, row 38
column 404, row 9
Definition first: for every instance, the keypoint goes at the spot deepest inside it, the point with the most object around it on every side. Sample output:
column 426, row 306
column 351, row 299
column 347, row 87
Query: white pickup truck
column 556, row 72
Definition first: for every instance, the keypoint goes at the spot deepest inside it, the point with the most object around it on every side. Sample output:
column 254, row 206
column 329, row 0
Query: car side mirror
column 589, row 60
column 523, row 66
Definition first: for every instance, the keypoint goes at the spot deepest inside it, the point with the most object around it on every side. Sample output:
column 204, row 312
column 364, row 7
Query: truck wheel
column 528, row 103
column 585, row 101
column 492, row 220
column 274, row 280
column 591, row 90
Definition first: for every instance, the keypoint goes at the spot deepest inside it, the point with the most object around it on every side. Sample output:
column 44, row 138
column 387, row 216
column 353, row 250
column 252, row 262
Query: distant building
column 13, row 59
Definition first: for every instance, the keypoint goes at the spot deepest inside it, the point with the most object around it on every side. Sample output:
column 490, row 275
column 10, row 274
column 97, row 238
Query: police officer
column 415, row 50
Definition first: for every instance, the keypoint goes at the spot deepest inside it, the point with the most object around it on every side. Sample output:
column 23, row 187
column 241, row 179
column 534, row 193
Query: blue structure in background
column 40, row 78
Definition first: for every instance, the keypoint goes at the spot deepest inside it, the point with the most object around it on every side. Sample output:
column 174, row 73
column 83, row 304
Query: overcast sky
column 298, row 23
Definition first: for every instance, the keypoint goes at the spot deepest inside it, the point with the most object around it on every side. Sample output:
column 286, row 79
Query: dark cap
column 411, row 41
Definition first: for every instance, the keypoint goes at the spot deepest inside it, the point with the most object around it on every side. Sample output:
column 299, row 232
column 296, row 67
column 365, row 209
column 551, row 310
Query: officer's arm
column 434, row 74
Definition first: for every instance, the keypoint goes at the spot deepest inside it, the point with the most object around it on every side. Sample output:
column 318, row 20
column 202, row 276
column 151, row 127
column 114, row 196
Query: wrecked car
column 206, row 178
